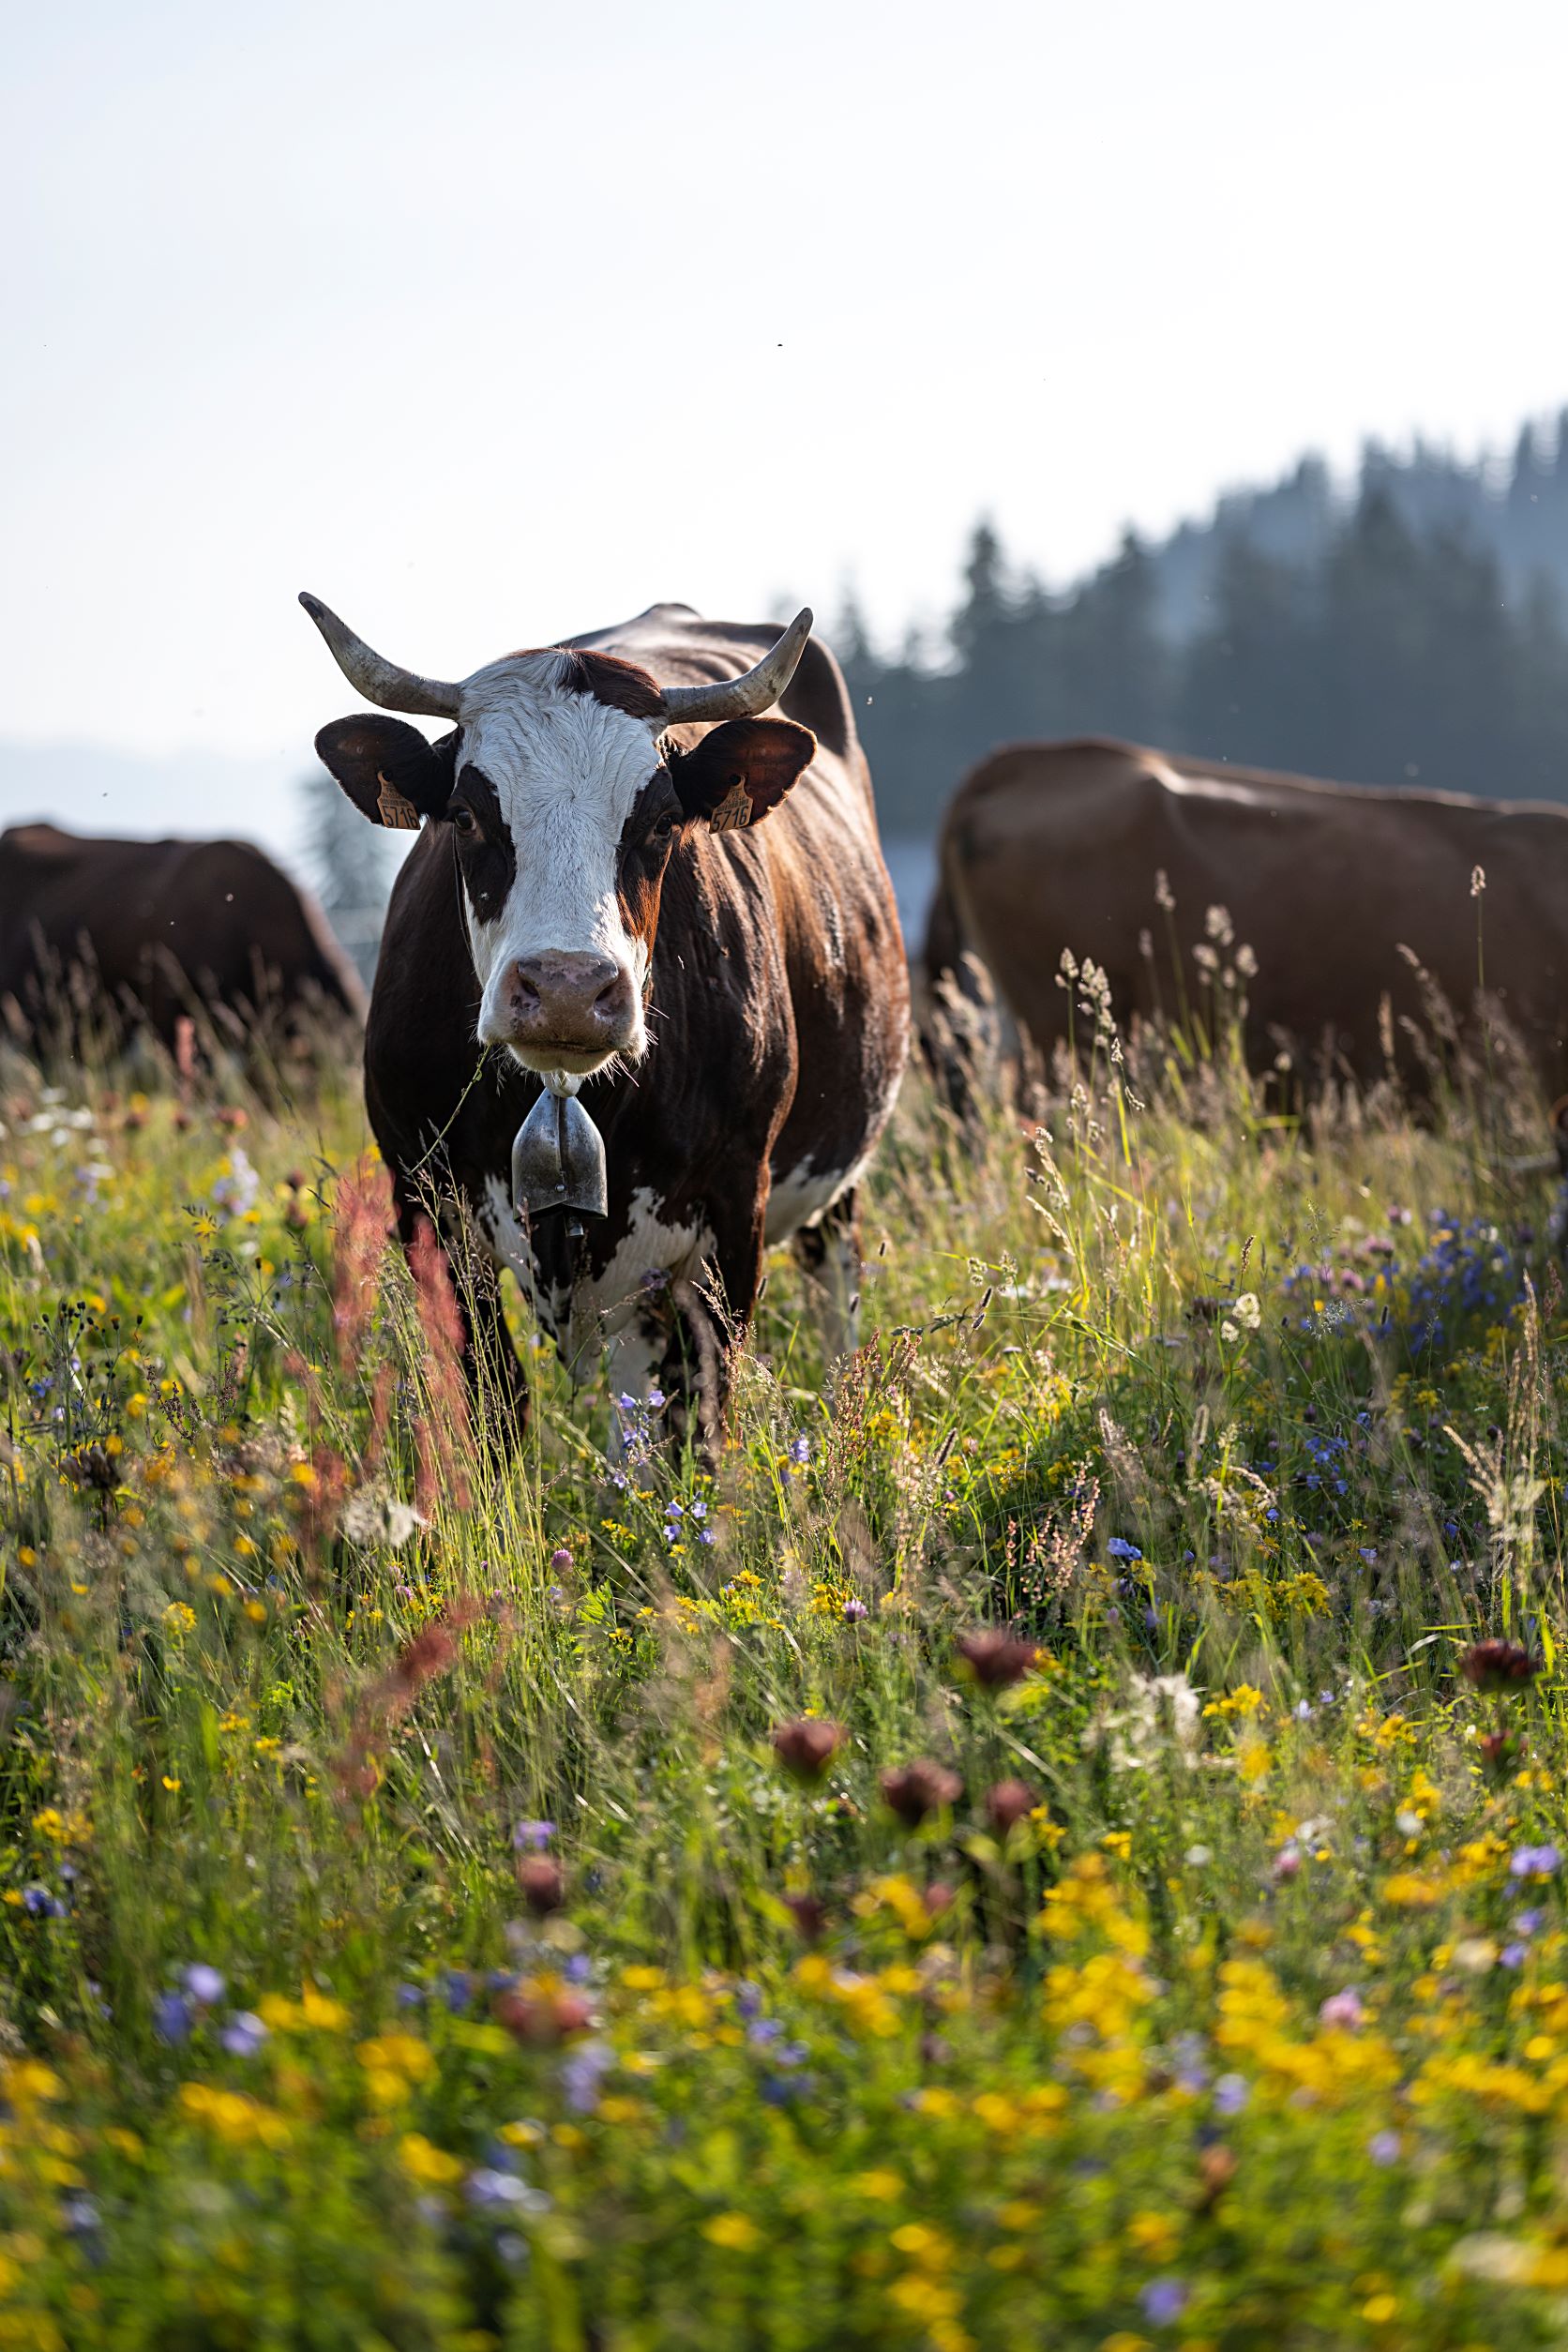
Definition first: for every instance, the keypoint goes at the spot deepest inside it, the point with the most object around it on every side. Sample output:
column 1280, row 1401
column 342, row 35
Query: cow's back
column 1050, row 847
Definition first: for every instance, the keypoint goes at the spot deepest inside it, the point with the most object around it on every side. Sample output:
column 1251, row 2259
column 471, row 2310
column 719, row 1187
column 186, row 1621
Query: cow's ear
column 741, row 770
column 388, row 770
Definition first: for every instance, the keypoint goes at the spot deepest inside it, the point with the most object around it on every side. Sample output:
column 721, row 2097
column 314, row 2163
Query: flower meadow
column 1056, row 1836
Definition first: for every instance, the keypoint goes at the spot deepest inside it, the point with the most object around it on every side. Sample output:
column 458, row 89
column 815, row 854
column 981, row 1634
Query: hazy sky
column 490, row 322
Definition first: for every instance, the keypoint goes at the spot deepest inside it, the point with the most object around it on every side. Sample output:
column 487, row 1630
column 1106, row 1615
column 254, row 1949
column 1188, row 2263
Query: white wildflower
column 375, row 1517
column 1162, row 1710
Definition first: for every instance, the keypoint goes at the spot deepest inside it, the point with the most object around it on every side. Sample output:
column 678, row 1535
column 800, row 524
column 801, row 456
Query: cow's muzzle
column 564, row 1010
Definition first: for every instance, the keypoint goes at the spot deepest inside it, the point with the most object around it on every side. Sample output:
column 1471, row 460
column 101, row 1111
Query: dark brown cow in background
column 1053, row 846
column 117, row 935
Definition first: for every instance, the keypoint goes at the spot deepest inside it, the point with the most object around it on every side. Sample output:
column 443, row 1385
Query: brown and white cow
column 596, row 892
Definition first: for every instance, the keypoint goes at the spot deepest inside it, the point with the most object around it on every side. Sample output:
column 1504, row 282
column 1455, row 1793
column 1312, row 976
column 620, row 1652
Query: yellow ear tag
column 734, row 811
column 399, row 814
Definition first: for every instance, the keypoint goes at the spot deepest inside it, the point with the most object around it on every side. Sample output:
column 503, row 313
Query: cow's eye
column 464, row 821
column 664, row 826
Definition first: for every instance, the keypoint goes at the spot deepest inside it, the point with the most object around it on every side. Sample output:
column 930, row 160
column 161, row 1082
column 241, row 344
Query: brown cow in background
column 1054, row 846
column 113, row 936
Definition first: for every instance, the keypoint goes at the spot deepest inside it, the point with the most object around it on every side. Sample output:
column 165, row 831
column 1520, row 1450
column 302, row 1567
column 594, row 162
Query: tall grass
column 1024, row 1850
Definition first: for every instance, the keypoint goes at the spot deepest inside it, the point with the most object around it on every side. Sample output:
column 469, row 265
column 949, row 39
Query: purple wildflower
column 581, row 2072
column 1536, row 1861
column 1164, row 2300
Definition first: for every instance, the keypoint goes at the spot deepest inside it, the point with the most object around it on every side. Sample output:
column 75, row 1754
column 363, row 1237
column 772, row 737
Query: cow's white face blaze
column 562, row 790
column 558, row 773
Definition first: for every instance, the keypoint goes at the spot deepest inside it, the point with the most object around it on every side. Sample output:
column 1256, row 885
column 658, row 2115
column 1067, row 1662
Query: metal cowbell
column 558, row 1160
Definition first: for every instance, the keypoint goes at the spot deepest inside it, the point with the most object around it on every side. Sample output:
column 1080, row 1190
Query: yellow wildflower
column 733, row 2231
column 430, row 2166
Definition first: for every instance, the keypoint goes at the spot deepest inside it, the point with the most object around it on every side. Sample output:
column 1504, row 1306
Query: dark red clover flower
column 913, row 1790
column 996, row 1659
column 541, row 1882
column 808, row 1747
column 1498, row 1665
column 541, row 2017
column 809, row 1913
column 1009, row 1803
column 1502, row 1752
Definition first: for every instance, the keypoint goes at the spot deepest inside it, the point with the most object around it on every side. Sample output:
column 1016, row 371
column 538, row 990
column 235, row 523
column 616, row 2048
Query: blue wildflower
column 171, row 2017
column 489, row 2190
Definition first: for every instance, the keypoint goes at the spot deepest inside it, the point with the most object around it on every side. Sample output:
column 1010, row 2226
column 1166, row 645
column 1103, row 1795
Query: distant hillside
column 1405, row 627
column 1518, row 511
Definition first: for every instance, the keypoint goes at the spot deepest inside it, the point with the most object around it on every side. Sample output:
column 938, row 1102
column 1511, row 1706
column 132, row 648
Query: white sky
column 493, row 321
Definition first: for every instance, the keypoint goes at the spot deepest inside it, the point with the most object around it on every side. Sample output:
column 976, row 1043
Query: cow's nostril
column 612, row 998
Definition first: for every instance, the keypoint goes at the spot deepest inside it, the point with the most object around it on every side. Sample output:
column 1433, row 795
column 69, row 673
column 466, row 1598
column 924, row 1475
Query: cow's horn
column 743, row 697
column 378, row 681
